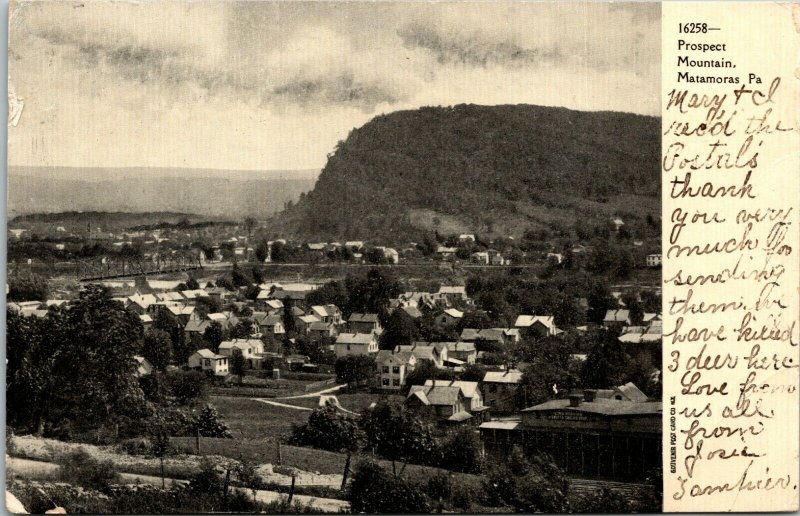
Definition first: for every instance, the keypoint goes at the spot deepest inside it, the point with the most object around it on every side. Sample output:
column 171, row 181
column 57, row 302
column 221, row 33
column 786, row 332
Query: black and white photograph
column 333, row 257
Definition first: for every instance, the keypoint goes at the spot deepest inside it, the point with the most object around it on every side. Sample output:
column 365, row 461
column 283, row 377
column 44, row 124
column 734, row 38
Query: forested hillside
column 488, row 169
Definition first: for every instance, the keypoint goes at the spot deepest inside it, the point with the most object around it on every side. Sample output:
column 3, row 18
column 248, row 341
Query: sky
column 274, row 86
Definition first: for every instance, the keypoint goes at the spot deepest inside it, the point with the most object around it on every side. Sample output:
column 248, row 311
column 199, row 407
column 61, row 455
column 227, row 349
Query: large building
column 586, row 435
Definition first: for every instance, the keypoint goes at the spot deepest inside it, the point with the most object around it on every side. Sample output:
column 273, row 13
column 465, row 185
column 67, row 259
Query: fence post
column 346, row 471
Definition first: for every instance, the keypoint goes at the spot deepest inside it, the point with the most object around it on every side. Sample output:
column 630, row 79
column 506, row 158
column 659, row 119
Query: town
column 448, row 355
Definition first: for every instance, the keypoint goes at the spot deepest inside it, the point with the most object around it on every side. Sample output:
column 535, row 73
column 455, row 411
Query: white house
column 393, row 368
column 207, row 360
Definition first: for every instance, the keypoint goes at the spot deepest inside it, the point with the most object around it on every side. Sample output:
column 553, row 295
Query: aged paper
column 730, row 192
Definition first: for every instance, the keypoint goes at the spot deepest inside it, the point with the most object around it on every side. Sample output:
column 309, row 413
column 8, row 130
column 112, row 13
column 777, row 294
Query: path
column 312, row 394
column 285, row 405
column 34, row 468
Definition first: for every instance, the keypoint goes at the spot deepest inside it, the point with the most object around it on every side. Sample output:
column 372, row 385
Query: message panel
column 730, row 193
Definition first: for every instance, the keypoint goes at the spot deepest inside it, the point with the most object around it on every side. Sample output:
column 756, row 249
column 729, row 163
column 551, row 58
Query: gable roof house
column 327, row 313
column 363, row 323
column 304, row 322
column 269, row 323
column 393, row 367
column 617, row 318
column 449, row 316
column 463, row 351
column 355, row 344
column 470, row 391
column 320, row 329
column 436, row 352
column 207, row 360
column 540, row 325
column 500, row 389
column 444, row 403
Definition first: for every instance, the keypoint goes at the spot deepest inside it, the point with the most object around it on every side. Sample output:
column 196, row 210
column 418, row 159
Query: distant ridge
column 218, row 193
column 496, row 170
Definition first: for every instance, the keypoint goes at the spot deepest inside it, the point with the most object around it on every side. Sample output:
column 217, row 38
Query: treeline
column 72, row 375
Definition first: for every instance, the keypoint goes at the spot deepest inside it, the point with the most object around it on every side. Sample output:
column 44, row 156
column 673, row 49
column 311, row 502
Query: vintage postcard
column 402, row 257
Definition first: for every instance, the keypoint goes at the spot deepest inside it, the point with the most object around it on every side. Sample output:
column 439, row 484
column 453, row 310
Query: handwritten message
column 730, row 178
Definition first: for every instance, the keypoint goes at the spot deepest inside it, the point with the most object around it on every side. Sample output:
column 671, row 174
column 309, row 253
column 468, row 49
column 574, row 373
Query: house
column 436, row 352
column 354, row 245
column 143, row 366
column 327, row 313
column 196, row 328
column 147, row 321
column 454, row 294
column 269, row 324
column 480, row 258
column 653, row 260
column 470, row 391
column 438, row 402
column 500, row 389
column 207, row 360
column 363, row 323
column 466, row 238
column 139, row 303
column 496, row 257
column 251, row 350
column 447, row 253
column 539, row 325
column 220, row 294
column 412, row 311
column 320, row 329
column 304, row 322
column 617, row 319
column 617, row 223
column 449, row 316
column 463, row 351
column 355, row 344
column 393, row 367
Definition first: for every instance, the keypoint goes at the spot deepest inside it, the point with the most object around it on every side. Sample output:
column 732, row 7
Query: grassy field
column 251, row 419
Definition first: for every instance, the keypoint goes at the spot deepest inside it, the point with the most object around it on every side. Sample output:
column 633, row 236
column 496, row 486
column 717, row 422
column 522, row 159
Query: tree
column 634, row 306
column 243, row 329
column 27, row 287
column 625, row 265
column 157, row 348
column 606, row 363
column 400, row 329
column 461, row 451
column 328, row 428
column 600, row 301
column 397, row 434
column 371, row 294
column 86, row 374
column 331, row 293
column 189, row 387
column 192, row 284
column 354, row 369
column 214, row 336
column 476, row 319
column 547, row 373
column 237, row 364
column 238, row 277
column 288, row 317
column 532, row 485
column 374, row 490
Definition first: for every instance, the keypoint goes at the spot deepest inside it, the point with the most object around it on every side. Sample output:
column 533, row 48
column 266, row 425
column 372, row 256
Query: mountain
column 217, row 193
column 496, row 170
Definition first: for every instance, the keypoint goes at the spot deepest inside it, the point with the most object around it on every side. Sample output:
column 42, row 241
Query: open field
column 249, row 419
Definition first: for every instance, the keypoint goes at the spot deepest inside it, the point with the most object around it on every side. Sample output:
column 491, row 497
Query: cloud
column 473, row 50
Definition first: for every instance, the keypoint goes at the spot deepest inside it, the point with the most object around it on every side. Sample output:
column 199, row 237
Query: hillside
column 74, row 221
column 486, row 169
column 228, row 194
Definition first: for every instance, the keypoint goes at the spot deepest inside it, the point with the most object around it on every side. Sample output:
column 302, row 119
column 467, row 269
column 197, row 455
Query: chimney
column 575, row 400
column 589, row 395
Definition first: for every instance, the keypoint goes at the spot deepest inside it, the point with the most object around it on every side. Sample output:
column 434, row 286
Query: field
column 249, row 419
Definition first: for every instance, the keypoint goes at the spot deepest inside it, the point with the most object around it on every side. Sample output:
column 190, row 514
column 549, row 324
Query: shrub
column 136, row 446
column 440, row 487
column 374, row 490
column 210, row 424
column 329, row 429
column 80, row 468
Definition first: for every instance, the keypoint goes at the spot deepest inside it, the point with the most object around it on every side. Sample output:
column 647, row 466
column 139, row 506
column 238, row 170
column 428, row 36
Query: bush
column 374, row 490
column 136, row 446
column 329, row 429
column 440, row 487
column 80, row 468
column 210, row 424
